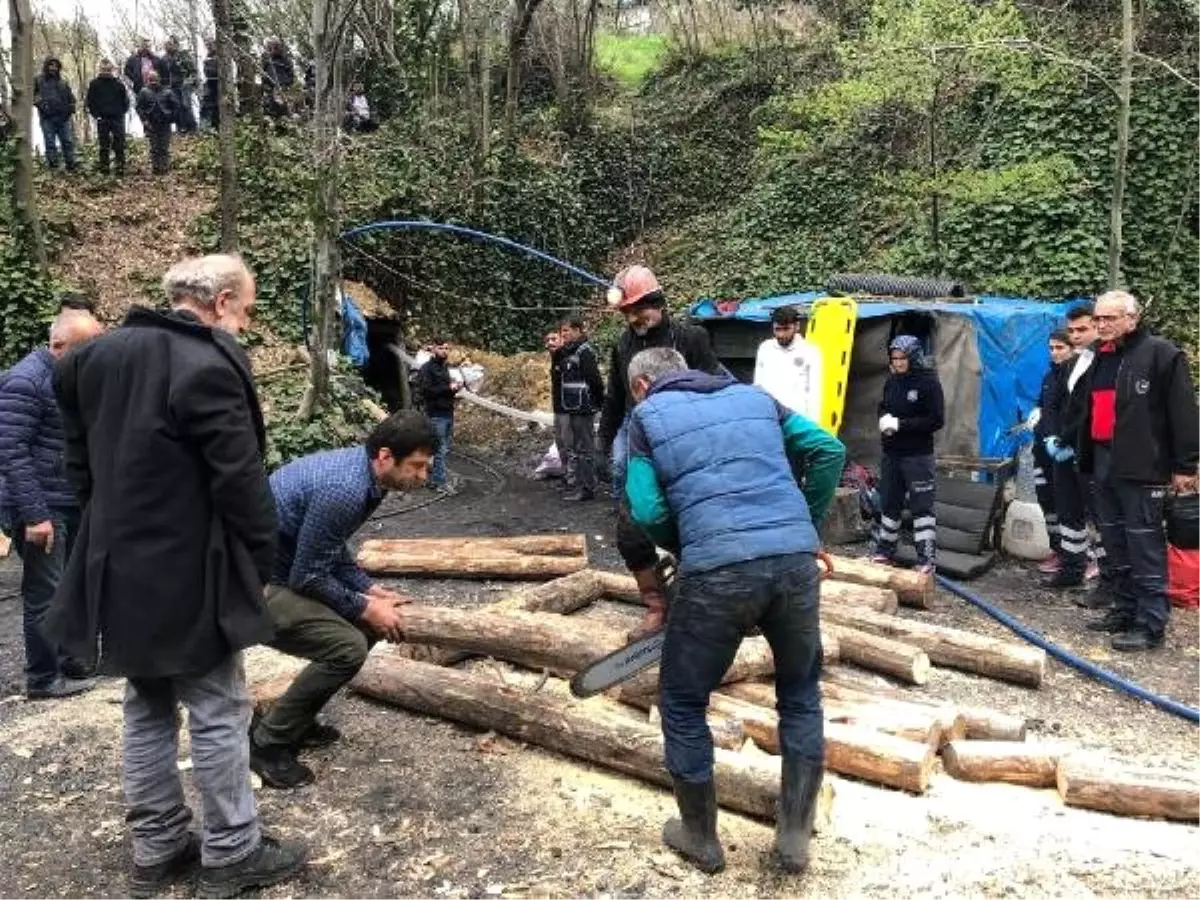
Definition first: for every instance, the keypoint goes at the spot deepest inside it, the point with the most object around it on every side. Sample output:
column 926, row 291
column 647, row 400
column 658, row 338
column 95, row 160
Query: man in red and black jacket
column 1138, row 438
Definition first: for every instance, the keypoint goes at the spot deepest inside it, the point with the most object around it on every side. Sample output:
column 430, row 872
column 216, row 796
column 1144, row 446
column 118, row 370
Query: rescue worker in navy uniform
column 639, row 297
column 1137, row 439
column 710, row 477
column 911, row 412
column 1043, row 471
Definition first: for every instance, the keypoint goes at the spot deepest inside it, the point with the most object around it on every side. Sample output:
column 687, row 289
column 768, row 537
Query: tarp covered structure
column 990, row 354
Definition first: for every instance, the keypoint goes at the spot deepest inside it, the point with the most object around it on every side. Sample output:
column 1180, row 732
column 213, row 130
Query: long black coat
column 164, row 447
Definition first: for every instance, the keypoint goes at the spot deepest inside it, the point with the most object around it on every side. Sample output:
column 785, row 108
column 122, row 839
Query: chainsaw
column 634, row 657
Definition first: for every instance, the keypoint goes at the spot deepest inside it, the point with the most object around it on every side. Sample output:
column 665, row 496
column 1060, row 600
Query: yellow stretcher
column 831, row 330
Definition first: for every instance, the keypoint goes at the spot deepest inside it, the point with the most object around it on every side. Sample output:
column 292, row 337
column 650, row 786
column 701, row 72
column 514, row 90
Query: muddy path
column 408, row 805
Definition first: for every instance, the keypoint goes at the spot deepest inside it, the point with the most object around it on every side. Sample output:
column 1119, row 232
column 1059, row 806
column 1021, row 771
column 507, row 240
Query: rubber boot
column 798, row 791
column 694, row 834
column 650, row 589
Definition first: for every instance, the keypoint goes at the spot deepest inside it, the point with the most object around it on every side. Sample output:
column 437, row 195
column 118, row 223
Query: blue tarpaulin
column 354, row 333
column 1010, row 336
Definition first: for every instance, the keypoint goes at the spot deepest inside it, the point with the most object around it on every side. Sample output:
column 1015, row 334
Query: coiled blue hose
column 1088, row 668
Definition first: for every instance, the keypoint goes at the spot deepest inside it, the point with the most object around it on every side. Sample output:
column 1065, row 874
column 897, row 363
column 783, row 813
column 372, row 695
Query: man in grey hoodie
column 55, row 103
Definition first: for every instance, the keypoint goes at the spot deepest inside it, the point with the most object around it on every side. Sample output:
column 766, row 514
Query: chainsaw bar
column 619, row 666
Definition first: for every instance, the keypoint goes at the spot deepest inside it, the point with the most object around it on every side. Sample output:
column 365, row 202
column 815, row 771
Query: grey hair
column 200, row 279
column 655, row 362
column 1128, row 302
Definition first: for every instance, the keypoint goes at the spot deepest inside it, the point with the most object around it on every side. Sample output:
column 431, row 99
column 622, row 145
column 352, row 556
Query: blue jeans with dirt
column 443, row 427
column 706, row 622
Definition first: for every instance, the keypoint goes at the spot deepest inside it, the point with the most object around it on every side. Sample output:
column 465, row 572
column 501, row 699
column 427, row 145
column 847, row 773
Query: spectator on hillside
column 358, row 111
column 178, row 71
column 1137, row 440
column 210, row 98
column 55, row 103
column 788, row 367
column 579, row 396
column 108, row 104
column 278, row 77
column 158, row 109
column 39, row 510
column 139, row 65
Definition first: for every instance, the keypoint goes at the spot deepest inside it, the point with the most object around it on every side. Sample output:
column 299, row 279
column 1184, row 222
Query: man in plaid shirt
column 324, row 607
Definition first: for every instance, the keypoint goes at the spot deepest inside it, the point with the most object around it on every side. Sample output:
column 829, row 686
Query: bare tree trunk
column 29, row 230
column 1121, row 160
column 226, row 124
column 518, row 31
column 249, row 93
column 330, row 19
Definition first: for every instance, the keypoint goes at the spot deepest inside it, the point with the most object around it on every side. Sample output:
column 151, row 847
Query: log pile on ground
column 876, row 730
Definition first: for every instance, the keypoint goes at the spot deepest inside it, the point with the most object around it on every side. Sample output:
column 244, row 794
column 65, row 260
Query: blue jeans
column 55, row 132
column 705, row 626
column 40, row 574
column 443, row 426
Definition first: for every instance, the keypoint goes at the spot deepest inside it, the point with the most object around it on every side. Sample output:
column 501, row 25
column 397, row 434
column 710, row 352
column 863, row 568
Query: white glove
column 1034, row 418
column 889, row 424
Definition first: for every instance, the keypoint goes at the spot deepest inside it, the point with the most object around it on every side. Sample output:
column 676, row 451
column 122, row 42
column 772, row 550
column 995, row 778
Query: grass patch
column 630, row 57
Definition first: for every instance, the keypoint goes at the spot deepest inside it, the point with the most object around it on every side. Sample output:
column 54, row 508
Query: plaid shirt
column 322, row 500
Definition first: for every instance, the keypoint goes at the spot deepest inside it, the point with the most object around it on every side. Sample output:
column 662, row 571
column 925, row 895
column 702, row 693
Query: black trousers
column 111, row 134
column 914, row 478
column 1070, row 504
column 1130, row 516
column 1043, row 484
column 159, row 137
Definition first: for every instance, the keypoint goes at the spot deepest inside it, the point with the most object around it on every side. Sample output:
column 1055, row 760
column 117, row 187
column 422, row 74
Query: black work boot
column 278, row 767
column 1064, row 578
column 1097, row 598
column 319, row 735
column 271, row 862
column 799, row 788
column 153, row 881
column 1139, row 637
column 1114, row 622
column 694, row 834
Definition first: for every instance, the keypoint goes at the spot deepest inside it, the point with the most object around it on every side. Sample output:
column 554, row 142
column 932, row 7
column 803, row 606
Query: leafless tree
column 21, row 30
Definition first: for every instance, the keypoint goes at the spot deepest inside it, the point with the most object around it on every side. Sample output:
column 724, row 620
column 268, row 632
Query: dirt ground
column 408, row 805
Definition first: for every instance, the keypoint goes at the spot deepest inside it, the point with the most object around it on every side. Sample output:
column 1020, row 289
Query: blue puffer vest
column 717, row 447
column 32, row 475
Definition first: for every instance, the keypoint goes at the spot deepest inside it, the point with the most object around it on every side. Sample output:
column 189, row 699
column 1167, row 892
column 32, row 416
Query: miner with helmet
column 638, row 296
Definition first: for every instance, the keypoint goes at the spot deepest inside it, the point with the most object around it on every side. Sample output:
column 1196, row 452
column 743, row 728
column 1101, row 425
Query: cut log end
column 1033, row 765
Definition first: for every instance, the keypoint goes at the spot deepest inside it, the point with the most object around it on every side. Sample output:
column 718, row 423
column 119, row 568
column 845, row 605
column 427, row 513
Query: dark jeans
column 443, row 427
column 40, row 574
column 111, row 133
column 575, row 436
column 337, row 649
column 1130, row 517
column 706, row 623
column 1069, row 503
column 914, row 478
column 1043, row 484
column 56, row 133
column 159, row 138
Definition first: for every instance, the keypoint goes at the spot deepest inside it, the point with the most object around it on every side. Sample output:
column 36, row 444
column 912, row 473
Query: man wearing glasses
column 1137, row 439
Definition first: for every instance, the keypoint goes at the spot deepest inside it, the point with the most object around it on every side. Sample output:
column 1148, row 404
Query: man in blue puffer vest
column 711, row 477
column 38, row 509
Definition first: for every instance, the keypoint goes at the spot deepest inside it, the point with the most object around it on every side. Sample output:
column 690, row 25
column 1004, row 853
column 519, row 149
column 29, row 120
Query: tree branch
column 1195, row 86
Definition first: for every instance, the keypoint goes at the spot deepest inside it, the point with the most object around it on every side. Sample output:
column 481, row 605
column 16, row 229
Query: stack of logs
column 873, row 731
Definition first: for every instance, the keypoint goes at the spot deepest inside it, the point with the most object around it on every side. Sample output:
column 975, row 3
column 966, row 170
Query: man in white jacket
column 788, row 367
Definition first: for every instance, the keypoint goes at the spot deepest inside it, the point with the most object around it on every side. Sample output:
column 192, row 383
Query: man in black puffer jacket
column 108, row 103
column 637, row 294
column 38, row 509
column 55, row 103
column 1138, row 438
column 911, row 412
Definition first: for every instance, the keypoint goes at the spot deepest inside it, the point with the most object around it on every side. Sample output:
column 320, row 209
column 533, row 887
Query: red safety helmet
column 633, row 285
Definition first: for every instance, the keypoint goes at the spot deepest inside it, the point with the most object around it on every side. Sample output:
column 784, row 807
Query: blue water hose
column 1088, row 668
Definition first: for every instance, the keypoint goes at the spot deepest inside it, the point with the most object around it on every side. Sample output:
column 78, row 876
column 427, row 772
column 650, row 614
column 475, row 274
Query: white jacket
column 792, row 375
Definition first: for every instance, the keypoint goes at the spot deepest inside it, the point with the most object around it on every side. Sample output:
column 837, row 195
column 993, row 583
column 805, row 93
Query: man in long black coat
column 164, row 448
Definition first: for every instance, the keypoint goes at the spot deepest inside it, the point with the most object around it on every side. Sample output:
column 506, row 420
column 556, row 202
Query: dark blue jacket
column 711, row 471
column 33, row 479
column 915, row 398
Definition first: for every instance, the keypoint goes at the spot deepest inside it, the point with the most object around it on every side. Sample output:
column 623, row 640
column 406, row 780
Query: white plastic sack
column 551, row 465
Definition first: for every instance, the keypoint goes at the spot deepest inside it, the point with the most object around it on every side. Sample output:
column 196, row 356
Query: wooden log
column 849, row 749
column 1128, row 791
column 912, row 588
column 880, row 654
column 913, row 724
column 618, row 586
column 953, row 647
column 465, row 564
column 562, row 596
column 951, row 725
column 634, row 748
column 522, row 544
column 1033, row 765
